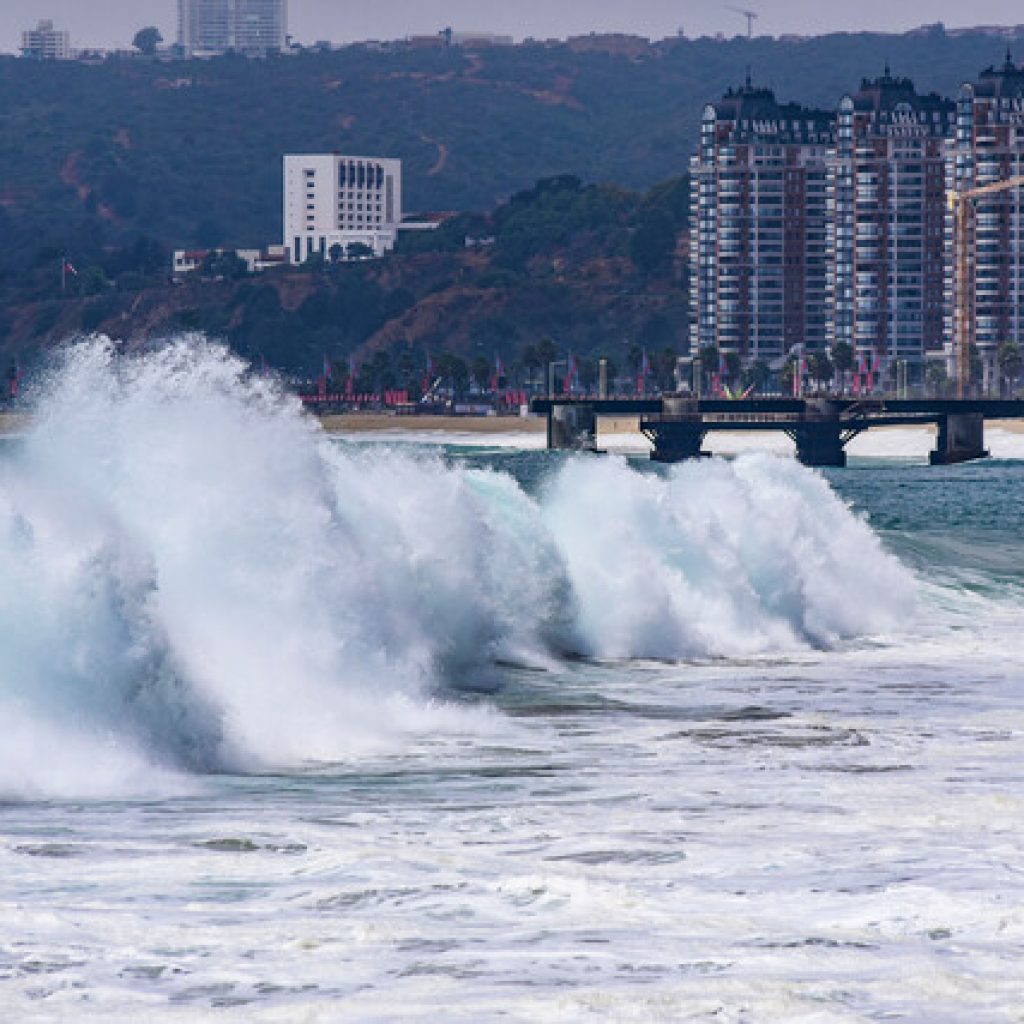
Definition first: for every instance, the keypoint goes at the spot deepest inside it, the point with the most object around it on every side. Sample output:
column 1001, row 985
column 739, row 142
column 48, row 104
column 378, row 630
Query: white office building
column 254, row 27
column 44, row 42
column 345, row 201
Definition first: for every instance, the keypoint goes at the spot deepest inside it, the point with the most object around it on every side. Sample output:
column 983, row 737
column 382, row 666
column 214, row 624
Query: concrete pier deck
column 820, row 427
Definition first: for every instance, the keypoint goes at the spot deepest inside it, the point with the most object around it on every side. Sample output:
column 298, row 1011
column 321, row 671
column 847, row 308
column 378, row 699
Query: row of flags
column 865, row 376
column 570, row 382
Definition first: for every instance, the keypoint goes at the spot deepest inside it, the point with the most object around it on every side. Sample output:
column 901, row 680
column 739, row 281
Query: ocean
column 306, row 729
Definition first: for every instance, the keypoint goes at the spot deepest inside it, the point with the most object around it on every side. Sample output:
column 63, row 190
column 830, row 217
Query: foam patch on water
column 195, row 578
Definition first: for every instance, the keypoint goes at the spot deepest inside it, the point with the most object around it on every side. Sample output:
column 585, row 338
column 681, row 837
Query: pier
column 819, row 427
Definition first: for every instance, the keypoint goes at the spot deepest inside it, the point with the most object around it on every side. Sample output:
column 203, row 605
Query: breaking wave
column 193, row 578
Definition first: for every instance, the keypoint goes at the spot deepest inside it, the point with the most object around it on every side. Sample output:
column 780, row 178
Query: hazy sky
column 110, row 22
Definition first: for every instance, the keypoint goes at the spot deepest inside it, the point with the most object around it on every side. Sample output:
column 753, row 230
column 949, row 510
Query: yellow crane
column 961, row 204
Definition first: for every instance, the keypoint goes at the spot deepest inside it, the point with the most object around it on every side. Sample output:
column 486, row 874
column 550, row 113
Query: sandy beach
column 358, row 423
column 366, row 423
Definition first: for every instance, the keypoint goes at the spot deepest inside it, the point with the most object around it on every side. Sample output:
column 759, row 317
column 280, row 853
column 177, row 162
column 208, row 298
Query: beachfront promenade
column 819, row 427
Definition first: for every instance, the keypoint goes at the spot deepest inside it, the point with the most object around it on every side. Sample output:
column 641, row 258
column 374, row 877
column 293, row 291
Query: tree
column 336, row 252
column 665, row 369
column 710, row 359
column 937, row 378
column 977, row 366
column 147, row 40
column 453, row 371
column 547, row 353
column 788, row 375
column 1009, row 359
column 92, row 280
column 733, row 365
column 842, row 360
column 613, row 373
column 481, row 373
column 227, row 265
column 821, row 367
column 358, row 251
column 757, row 375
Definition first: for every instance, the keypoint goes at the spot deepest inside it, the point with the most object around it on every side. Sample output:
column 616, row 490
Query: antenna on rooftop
column 751, row 17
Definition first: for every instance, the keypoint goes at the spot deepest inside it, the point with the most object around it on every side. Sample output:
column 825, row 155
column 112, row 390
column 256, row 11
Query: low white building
column 44, row 42
column 333, row 203
column 188, row 261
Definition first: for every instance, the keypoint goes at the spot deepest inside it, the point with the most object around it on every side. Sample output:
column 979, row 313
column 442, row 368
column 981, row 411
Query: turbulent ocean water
column 306, row 729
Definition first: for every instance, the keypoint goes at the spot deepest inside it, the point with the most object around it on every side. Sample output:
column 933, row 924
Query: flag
column 645, row 369
column 69, row 268
column 325, row 376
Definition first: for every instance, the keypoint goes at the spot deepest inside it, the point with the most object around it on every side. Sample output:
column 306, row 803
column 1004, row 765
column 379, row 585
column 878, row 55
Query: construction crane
column 751, row 17
column 961, row 205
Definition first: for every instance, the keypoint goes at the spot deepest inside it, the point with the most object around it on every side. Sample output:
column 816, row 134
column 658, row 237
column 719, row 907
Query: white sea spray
column 197, row 579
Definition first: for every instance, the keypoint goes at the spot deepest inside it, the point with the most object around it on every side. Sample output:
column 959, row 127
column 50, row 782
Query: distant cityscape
column 209, row 28
column 812, row 231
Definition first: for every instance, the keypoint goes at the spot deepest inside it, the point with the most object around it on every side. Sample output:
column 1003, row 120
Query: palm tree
column 842, row 360
column 1009, row 359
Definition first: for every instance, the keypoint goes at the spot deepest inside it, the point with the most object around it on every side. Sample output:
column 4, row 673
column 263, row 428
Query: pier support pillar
column 961, row 439
column 572, row 427
column 820, row 444
column 676, row 442
column 678, row 434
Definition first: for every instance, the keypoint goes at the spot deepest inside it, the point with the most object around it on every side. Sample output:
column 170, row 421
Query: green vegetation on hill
column 115, row 164
column 561, row 266
column 190, row 152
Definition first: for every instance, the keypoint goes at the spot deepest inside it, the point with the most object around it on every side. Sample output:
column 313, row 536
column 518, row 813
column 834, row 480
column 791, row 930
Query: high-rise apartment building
column 44, row 42
column 758, row 226
column 332, row 200
column 887, row 218
column 248, row 26
column 988, row 146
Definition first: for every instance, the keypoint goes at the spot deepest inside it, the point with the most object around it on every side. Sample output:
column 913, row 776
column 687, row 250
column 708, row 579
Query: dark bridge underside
column 820, row 428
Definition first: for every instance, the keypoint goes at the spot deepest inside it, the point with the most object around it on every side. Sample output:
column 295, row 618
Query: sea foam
column 196, row 579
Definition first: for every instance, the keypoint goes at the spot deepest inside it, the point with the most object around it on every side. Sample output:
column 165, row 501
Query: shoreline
column 380, row 423
column 364, row 423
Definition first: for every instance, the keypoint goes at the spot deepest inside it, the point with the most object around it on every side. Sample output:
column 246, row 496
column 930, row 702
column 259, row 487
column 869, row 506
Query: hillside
column 190, row 152
column 114, row 164
column 594, row 269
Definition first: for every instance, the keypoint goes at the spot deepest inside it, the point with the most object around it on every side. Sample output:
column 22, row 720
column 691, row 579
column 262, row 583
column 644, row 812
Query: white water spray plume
column 196, row 578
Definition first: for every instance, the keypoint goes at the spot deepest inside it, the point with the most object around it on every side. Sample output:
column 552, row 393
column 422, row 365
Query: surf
column 197, row 579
